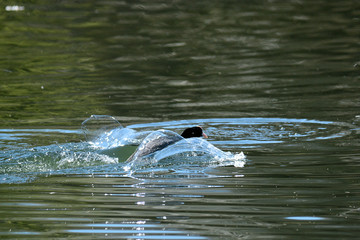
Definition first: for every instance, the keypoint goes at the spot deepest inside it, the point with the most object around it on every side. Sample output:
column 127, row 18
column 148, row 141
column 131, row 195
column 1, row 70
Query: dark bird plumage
column 163, row 139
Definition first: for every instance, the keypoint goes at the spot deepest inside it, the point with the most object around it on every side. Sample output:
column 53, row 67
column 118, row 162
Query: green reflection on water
column 45, row 70
column 145, row 61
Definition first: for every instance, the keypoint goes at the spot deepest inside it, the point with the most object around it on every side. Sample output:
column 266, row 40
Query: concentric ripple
column 108, row 150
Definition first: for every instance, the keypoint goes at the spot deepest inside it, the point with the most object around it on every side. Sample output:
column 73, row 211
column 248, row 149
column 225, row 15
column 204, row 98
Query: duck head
column 194, row 132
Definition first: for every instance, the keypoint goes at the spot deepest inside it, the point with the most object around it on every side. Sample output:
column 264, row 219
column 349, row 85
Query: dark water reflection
column 153, row 61
column 145, row 61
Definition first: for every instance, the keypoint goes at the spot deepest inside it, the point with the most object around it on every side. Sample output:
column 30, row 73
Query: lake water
column 274, row 84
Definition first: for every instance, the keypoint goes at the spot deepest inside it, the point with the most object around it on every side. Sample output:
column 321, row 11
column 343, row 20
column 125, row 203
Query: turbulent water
column 109, row 148
column 85, row 189
column 274, row 84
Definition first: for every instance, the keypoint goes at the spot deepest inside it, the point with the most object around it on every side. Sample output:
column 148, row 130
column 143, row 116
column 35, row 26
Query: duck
column 194, row 132
column 161, row 139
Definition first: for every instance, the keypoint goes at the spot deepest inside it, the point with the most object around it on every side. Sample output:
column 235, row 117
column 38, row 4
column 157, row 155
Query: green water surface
column 277, row 80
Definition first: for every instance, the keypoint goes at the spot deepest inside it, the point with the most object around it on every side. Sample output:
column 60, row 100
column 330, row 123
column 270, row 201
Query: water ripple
column 109, row 149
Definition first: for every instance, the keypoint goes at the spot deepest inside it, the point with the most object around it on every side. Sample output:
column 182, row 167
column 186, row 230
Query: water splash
column 118, row 137
column 109, row 145
column 52, row 159
column 96, row 125
column 195, row 152
column 112, row 139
